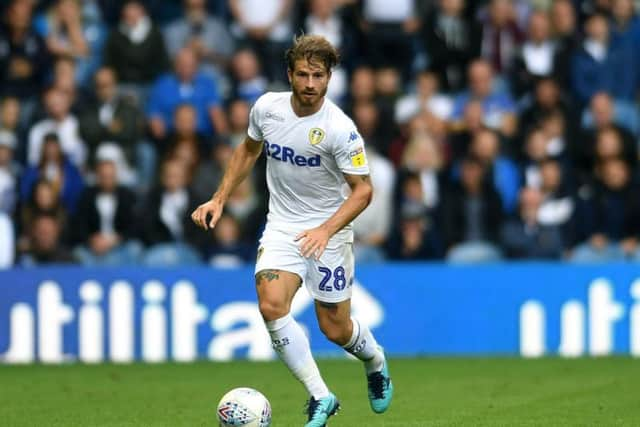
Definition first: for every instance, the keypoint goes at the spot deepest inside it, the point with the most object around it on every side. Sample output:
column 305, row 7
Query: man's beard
column 315, row 96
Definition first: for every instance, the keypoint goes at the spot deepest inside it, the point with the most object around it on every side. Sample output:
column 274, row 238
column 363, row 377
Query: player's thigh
column 279, row 272
column 276, row 288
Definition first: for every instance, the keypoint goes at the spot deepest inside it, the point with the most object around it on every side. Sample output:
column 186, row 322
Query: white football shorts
column 329, row 279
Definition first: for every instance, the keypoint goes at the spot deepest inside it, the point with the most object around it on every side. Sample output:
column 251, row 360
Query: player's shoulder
column 340, row 121
column 270, row 98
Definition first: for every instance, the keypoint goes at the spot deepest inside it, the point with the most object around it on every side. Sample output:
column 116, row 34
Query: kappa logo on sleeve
column 353, row 136
column 357, row 157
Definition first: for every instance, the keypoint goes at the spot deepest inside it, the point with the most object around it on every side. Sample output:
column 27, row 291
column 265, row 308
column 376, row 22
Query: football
column 244, row 406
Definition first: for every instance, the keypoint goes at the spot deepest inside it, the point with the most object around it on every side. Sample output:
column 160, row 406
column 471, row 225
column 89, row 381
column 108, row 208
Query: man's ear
column 289, row 74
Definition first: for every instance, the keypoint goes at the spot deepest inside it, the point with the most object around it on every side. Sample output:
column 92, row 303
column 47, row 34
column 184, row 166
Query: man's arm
column 241, row 162
column 316, row 240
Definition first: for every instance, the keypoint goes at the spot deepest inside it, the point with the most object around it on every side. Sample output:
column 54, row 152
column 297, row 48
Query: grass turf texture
column 429, row 392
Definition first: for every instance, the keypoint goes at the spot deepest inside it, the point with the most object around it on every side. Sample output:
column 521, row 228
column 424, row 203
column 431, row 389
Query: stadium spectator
column 558, row 204
column 547, row 98
column 247, row 207
column 324, row 19
column 625, row 23
column 611, row 218
column 372, row 227
column 54, row 166
column 501, row 36
column 24, row 58
column 61, row 26
column 366, row 117
column 206, row 34
column 111, row 118
column 248, row 81
column 167, row 229
column 362, row 86
column 609, row 143
column 10, row 116
column 472, row 215
column 461, row 132
column 228, row 249
column 186, row 85
column 238, row 121
column 526, row 237
column 500, row 169
column 564, row 23
column 498, row 107
column 185, row 133
column 104, row 223
column 9, row 170
column 535, row 58
column 390, row 29
column 423, row 158
column 554, row 126
column 136, row 50
column 415, row 238
column 534, row 152
column 426, row 101
column 43, row 200
column 604, row 114
column 599, row 65
column 7, row 243
column 64, row 80
column 45, row 245
column 64, row 124
column 452, row 40
column 265, row 26
column 209, row 174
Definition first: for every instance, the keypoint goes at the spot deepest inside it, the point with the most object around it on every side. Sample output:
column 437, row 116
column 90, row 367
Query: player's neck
column 305, row 110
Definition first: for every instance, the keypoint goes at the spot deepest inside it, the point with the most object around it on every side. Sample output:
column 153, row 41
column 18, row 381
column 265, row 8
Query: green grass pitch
column 429, row 392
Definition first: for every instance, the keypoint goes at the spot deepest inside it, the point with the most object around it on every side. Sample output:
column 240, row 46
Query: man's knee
column 272, row 309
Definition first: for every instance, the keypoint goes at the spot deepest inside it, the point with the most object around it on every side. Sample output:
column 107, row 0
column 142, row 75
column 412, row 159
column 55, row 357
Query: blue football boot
column 319, row 411
column 380, row 389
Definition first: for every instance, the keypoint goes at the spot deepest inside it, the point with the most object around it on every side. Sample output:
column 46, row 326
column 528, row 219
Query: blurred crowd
column 498, row 129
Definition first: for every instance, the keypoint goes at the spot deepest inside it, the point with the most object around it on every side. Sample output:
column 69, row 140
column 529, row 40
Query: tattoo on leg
column 268, row 275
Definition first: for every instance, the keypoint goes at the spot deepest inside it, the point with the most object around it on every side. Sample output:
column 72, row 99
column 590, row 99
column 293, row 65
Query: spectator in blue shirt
column 185, row 86
column 498, row 106
column 625, row 24
column 600, row 65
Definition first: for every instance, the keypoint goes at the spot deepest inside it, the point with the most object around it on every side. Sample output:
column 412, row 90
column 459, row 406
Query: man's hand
column 314, row 242
column 213, row 207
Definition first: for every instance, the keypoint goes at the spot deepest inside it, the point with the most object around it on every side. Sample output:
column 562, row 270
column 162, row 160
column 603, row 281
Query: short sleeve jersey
column 306, row 159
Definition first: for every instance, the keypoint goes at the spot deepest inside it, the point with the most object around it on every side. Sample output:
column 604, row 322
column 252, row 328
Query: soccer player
column 313, row 149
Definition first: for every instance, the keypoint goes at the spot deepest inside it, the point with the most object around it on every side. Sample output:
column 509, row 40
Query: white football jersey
column 306, row 159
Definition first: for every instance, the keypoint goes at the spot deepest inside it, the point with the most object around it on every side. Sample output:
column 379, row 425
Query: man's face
column 107, row 177
column 309, row 81
column 480, row 79
column 45, row 234
column 19, row 15
column 57, row 103
column 602, row 110
column 105, row 85
column 186, row 65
